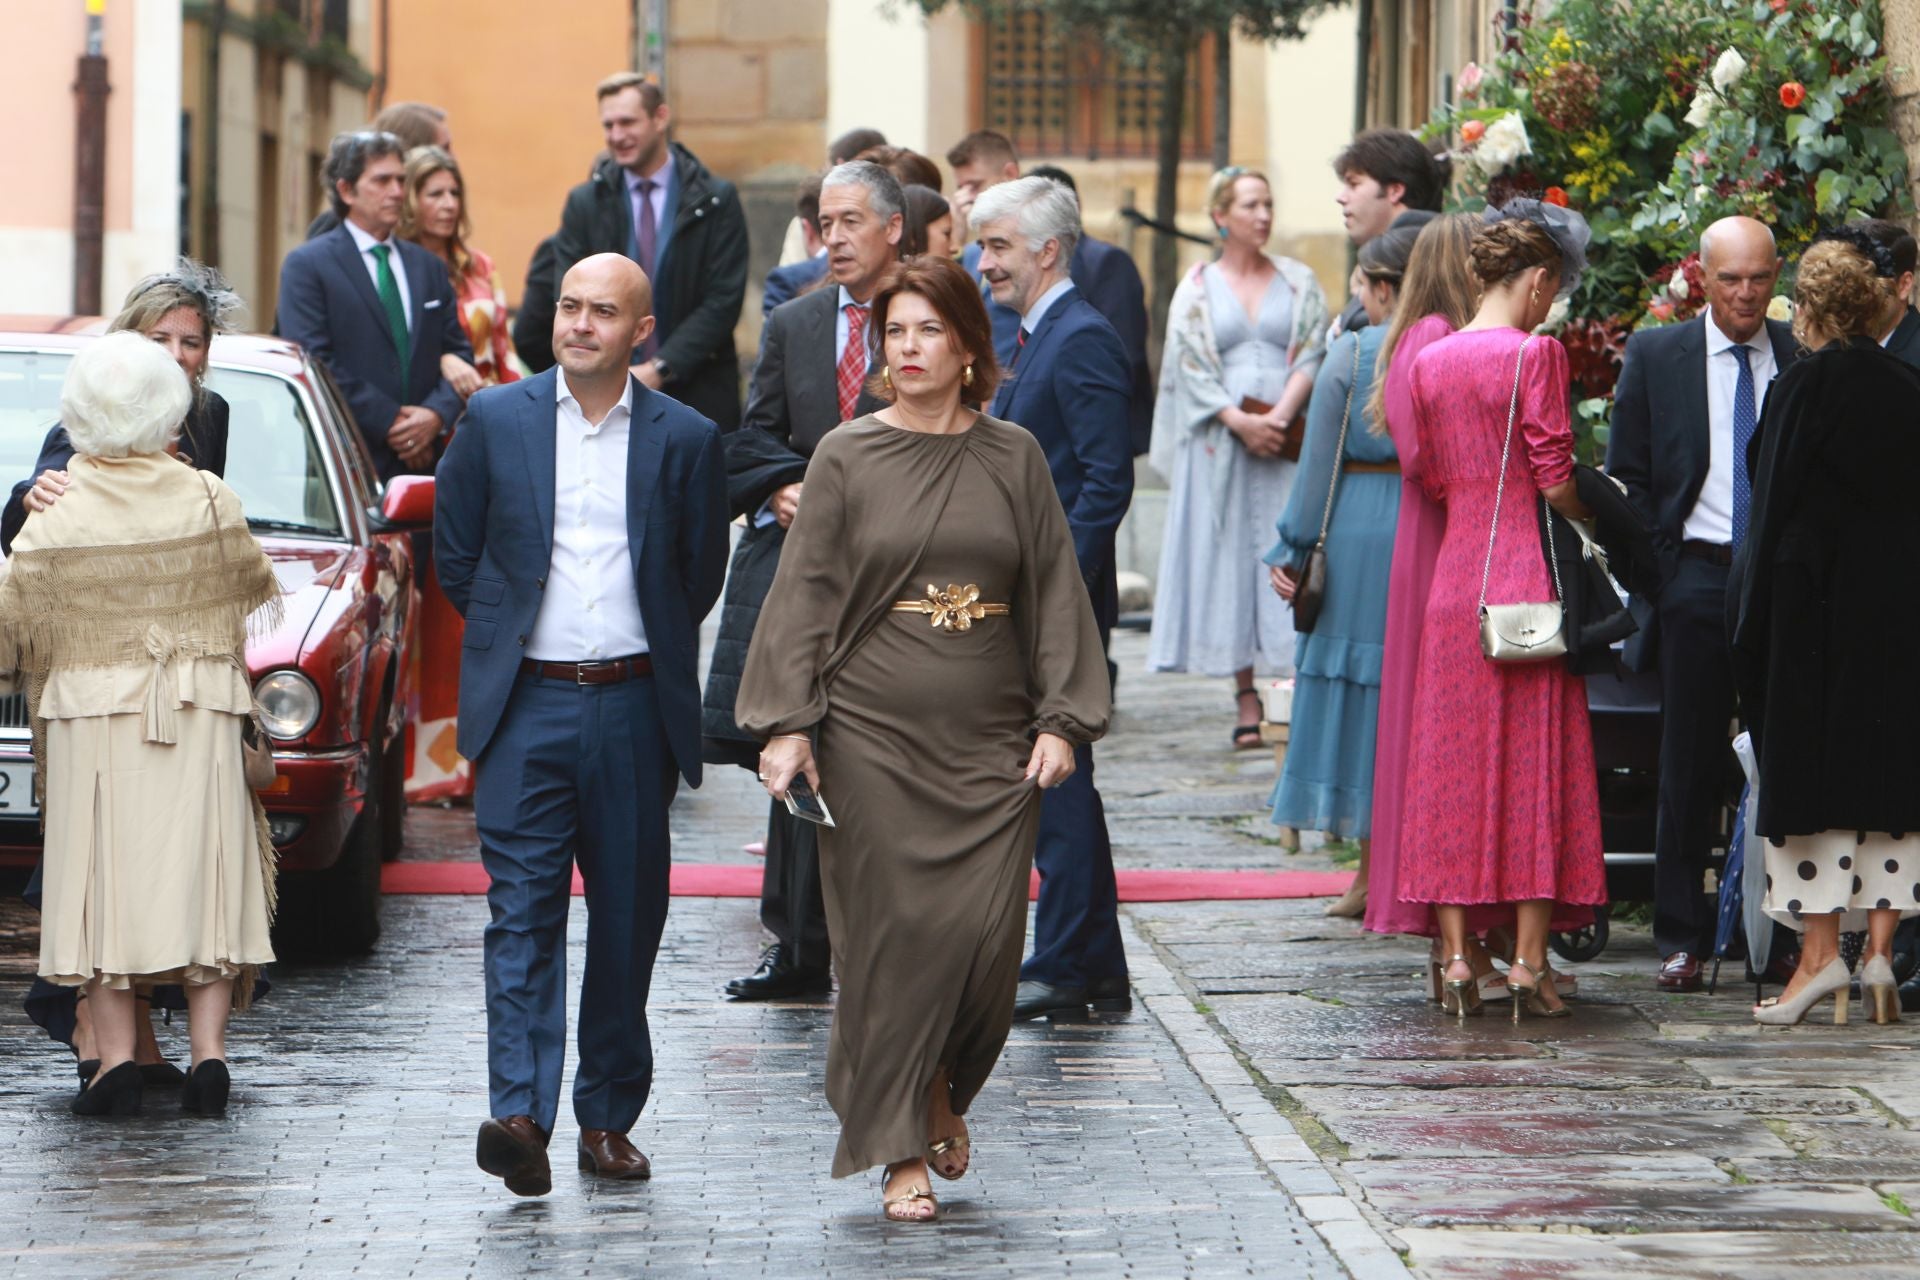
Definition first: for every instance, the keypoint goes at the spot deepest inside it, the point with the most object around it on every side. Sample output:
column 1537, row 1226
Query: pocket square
column 428, row 306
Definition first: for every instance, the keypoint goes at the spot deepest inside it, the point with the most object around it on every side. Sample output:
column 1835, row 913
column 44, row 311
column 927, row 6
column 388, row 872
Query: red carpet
column 705, row 880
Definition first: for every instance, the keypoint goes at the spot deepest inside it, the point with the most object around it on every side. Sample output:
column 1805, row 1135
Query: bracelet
column 795, row 737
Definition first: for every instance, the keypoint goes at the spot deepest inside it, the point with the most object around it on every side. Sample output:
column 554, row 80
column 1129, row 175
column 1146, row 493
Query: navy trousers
column 1076, row 924
column 574, row 773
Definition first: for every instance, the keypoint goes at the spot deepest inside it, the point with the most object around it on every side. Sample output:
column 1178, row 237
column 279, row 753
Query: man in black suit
column 1688, row 402
column 376, row 310
column 811, row 377
column 655, row 202
column 1902, row 322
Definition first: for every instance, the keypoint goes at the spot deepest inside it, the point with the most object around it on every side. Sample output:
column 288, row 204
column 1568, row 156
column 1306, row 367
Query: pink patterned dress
column 1501, row 800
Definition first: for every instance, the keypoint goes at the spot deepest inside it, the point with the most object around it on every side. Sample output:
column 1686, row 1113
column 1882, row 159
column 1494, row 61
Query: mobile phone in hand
column 803, row 802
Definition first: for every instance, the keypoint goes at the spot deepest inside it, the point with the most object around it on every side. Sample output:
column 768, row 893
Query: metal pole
column 652, row 54
column 90, row 165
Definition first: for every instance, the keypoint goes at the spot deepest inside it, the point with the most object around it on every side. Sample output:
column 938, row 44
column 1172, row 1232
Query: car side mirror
column 407, row 505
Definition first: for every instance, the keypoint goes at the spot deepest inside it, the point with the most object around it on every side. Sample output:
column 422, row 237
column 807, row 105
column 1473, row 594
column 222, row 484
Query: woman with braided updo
column 1824, row 629
column 1501, row 802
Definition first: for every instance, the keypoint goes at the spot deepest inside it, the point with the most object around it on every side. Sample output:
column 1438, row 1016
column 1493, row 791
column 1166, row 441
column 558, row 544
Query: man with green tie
column 376, row 310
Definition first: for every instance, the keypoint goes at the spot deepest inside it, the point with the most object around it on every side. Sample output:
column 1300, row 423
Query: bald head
column 1741, row 266
column 605, row 310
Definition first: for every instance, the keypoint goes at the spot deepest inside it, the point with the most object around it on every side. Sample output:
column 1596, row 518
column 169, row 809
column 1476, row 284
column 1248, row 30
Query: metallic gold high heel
column 937, row 1149
column 1879, row 990
column 1462, row 995
column 1529, row 993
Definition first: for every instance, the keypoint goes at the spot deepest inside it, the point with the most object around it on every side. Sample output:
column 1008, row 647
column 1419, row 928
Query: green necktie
column 390, row 299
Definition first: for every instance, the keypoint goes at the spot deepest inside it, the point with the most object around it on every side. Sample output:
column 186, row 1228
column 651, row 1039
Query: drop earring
column 886, row 378
column 966, row 377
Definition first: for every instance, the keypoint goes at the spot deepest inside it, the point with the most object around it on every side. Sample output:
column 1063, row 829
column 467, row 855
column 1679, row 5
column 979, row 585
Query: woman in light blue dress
column 1326, row 783
column 1250, row 326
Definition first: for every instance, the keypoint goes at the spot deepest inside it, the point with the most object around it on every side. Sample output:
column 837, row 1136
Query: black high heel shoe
column 116, row 1092
column 205, row 1092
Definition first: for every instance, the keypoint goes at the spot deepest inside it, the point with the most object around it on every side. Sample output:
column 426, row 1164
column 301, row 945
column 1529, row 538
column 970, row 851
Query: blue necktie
column 1743, row 424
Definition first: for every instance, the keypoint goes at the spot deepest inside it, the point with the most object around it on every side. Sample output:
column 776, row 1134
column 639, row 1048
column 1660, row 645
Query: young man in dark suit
column 376, row 310
column 811, row 378
column 1069, row 384
column 1687, row 406
column 580, row 528
column 656, row 203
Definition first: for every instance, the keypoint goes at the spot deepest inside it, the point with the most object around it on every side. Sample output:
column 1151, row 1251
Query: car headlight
column 289, row 704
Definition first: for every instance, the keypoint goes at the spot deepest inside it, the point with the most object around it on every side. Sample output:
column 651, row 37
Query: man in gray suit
column 811, row 377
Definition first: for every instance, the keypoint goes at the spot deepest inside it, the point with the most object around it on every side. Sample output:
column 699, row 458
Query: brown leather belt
column 1352, row 467
column 1719, row 553
column 613, row 671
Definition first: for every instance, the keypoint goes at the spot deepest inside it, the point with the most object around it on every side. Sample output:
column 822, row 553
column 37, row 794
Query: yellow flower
column 1560, row 46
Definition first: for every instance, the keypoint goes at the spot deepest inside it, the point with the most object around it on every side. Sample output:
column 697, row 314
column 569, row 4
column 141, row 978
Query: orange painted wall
column 519, row 95
column 38, row 87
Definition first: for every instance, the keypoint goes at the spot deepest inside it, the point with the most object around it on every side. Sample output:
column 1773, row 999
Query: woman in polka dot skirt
column 1824, row 629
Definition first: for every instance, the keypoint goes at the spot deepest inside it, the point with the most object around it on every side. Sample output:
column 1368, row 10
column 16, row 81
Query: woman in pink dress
column 1439, row 295
column 1502, row 806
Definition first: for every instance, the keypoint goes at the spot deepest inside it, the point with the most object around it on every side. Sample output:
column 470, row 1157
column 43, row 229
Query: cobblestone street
column 1281, row 1102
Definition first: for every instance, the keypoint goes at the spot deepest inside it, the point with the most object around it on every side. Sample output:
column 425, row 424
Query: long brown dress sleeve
column 923, row 721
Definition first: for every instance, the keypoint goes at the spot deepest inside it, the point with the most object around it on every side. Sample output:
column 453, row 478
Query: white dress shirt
column 590, row 611
column 1711, row 519
column 364, row 241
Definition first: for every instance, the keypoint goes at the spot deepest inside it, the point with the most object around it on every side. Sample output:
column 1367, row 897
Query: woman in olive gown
column 928, row 659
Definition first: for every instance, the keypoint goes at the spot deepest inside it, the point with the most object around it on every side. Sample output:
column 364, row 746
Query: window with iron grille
column 1058, row 93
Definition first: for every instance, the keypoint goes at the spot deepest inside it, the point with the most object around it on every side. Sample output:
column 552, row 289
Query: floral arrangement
column 1655, row 120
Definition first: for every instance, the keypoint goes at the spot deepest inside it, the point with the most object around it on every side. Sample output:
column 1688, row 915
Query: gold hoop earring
column 966, row 378
column 886, row 378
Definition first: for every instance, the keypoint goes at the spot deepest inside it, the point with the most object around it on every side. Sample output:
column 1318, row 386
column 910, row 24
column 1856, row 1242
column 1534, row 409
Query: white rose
column 1781, row 308
column 1701, row 192
column 1728, row 70
column 1701, row 112
column 1677, row 288
column 1504, row 142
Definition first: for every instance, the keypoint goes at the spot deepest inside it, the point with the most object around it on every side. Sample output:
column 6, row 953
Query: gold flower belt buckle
column 955, row 609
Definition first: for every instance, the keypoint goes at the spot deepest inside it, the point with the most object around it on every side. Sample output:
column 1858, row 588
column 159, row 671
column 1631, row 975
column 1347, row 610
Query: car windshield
column 274, row 459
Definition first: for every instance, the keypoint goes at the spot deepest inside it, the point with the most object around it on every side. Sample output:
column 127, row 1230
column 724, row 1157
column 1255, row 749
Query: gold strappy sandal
column 906, row 1197
column 960, row 1144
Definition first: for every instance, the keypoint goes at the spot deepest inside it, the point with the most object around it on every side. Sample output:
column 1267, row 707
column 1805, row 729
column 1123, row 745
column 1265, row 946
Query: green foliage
column 1654, row 120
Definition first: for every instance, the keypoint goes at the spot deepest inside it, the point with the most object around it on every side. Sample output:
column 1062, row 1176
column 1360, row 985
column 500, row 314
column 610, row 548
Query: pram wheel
column 1577, row 946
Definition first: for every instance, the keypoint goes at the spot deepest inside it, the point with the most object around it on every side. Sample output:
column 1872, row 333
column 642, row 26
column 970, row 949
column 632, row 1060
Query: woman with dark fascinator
column 1823, row 627
column 1502, row 806
column 181, row 309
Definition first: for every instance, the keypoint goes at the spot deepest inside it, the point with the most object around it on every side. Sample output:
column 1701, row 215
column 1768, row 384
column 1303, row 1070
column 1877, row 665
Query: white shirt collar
column 563, row 394
column 1035, row 313
column 362, row 238
column 1717, row 341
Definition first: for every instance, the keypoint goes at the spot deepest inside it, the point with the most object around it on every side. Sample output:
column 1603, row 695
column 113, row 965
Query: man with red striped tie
column 811, row 378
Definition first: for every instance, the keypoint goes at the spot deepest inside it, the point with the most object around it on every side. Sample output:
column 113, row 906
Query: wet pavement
column 1281, row 1102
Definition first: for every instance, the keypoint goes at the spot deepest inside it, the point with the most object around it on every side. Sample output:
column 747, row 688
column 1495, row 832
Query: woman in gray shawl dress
column 927, row 658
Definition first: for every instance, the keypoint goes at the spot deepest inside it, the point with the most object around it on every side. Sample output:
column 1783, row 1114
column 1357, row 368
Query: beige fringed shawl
column 124, row 596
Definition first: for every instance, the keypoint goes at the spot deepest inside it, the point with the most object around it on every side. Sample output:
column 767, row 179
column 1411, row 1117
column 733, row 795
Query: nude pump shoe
column 1834, row 980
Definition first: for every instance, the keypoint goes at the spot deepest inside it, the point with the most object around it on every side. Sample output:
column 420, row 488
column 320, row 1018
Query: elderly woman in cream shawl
column 1244, row 338
column 124, row 608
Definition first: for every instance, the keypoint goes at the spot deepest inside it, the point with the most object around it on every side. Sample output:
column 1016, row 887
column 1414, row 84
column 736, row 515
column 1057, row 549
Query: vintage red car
column 332, row 679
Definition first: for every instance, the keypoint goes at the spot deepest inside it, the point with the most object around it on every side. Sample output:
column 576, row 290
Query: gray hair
column 1043, row 210
column 347, row 159
column 884, row 196
column 123, row 397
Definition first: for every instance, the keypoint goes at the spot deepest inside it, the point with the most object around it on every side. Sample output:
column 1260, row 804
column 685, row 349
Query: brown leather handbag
column 1311, row 595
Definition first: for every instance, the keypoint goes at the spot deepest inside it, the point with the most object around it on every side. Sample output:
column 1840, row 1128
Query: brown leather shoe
column 1679, row 972
column 606, row 1153
column 516, row 1149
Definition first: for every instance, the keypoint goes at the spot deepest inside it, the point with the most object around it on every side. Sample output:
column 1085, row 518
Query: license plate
column 16, row 790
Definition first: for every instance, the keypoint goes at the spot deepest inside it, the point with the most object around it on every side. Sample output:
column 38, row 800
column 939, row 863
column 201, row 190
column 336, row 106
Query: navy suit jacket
column 1107, row 278
column 784, row 284
column 1070, row 389
column 329, row 306
column 1658, row 444
column 493, row 543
